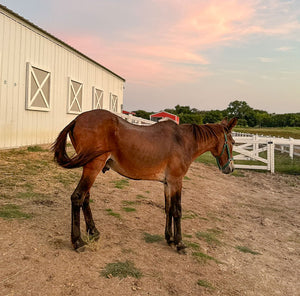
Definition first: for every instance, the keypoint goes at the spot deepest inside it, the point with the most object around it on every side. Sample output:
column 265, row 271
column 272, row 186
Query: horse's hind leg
column 91, row 229
column 80, row 198
column 168, row 228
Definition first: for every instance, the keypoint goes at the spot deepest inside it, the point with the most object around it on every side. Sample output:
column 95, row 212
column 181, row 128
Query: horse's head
column 223, row 150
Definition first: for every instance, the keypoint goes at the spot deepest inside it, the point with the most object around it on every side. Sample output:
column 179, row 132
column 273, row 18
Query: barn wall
column 20, row 44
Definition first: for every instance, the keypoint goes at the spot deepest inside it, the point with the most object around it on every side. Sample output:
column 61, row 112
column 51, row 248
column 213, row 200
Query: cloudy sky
column 201, row 53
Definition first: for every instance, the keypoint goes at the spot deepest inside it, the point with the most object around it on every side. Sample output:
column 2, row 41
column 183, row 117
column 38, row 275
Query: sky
column 198, row 53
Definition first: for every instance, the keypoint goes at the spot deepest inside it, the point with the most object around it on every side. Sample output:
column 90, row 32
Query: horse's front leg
column 91, row 229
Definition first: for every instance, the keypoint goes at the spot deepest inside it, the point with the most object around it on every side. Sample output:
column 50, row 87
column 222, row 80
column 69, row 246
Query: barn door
column 75, row 97
column 37, row 89
column 97, row 98
column 113, row 103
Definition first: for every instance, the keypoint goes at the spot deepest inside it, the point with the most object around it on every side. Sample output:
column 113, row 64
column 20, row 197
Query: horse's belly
column 131, row 170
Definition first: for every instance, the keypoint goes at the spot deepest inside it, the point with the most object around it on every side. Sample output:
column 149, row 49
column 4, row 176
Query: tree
column 243, row 111
column 238, row 109
column 182, row 109
column 143, row 114
column 212, row 116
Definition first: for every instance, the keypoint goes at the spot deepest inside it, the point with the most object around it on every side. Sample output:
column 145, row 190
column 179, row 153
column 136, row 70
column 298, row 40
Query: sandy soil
column 259, row 211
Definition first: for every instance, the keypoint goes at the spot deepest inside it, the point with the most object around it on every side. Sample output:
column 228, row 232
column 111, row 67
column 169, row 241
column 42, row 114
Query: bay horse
column 161, row 152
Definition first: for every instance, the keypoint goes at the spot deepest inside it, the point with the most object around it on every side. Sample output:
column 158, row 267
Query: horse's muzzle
column 229, row 169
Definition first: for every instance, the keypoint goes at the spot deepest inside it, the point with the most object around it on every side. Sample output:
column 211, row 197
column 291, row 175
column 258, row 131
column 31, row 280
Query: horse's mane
column 206, row 131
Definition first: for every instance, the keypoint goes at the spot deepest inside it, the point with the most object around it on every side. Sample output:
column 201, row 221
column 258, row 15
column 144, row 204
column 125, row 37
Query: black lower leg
column 77, row 242
column 168, row 229
column 176, row 210
column 90, row 225
column 77, row 199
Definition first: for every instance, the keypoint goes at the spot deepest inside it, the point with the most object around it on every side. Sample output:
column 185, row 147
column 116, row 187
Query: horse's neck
column 206, row 141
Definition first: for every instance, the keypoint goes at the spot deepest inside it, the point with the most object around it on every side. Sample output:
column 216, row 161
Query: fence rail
column 290, row 145
column 134, row 119
column 250, row 146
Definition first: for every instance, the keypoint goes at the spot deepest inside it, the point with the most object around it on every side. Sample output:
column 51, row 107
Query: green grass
column 206, row 158
column 130, row 202
column 210, row 236
column 203, row 258
column 110, row 212
column 205, row 284
column 192, row 245
column 285, row 132
column 68, row 178
column 152, row 238
column 283, row 163
column 35, row 149
column 189, row 215
column 11, row 211
column 186, row 178
column 121, row 270
column 238, row 173
column 244, row 249
column 121, row 184
column 128, row 209
column 140, row 196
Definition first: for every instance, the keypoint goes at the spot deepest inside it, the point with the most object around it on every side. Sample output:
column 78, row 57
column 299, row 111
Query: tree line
column 248, row 117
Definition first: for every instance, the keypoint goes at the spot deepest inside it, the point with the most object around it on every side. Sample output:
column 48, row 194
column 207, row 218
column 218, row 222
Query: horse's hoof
column 79, row 245
column 94, row 234
column 170, row 242
column 80, row 249
column 181, row 248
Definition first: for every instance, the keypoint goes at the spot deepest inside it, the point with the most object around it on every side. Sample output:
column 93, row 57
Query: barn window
column 38, row 89
column 75, row 97
column 113, row 103
column 97, row 98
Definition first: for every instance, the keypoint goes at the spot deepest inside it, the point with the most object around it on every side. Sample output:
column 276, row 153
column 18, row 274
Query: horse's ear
column 224, row 121
column 232, row 123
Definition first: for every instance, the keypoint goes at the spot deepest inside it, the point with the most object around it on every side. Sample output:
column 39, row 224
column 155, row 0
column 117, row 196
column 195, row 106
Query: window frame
column 98, row 101
column 72, row 101
column 29, row 99
column 113, row 105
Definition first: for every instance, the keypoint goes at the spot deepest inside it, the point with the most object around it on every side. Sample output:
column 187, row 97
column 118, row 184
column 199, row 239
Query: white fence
column 135, row 120
column 250, row 146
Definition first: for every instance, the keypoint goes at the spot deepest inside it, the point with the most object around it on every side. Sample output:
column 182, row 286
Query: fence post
column 255, row 145
column 271, row 157
column 291, row 148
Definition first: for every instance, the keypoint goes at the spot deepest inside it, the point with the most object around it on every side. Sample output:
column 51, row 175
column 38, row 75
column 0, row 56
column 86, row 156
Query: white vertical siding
column 20, row 43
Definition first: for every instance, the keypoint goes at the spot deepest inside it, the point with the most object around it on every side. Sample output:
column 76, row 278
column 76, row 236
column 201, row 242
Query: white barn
column 45, row 83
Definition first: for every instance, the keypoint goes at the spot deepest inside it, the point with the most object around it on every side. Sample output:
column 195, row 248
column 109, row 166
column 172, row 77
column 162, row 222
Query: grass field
column 285, row 132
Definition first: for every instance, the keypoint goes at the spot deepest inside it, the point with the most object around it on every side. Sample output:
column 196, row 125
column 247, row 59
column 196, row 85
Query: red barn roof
column 164, row 115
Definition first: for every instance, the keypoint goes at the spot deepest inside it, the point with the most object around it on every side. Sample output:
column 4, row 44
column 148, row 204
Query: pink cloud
column 173, row 52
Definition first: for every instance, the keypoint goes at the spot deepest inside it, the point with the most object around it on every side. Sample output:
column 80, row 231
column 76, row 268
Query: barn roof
column 163, row 113
column 31, row 25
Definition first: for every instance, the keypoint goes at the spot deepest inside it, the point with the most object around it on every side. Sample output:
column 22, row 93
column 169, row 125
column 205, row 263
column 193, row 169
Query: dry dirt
column 259, row 211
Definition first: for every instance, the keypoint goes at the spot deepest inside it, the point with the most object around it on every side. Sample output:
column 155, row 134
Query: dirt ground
column 242, row 231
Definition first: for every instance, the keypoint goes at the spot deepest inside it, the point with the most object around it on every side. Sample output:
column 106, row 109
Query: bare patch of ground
column 242, row 231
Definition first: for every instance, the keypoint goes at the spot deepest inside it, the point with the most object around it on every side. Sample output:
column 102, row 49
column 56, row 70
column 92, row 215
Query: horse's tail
column 61, row 156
